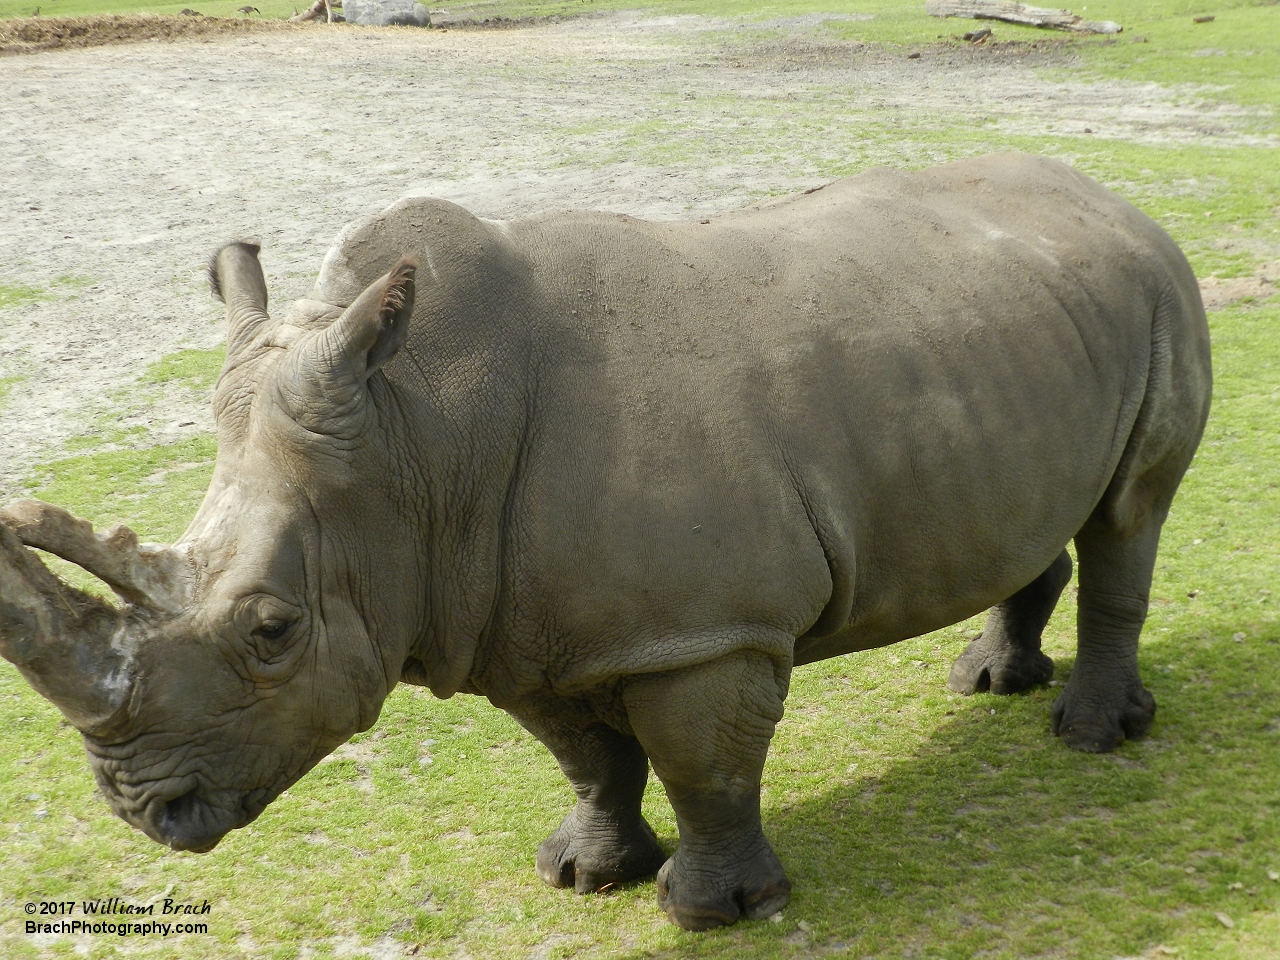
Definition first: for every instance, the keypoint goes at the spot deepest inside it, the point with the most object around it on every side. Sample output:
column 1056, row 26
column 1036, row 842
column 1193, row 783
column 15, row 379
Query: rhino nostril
column 179, row 812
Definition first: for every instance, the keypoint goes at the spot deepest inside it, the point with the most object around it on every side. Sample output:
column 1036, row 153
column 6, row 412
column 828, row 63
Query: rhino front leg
column 706, row 730
column 604, row 839
column 1006, row 657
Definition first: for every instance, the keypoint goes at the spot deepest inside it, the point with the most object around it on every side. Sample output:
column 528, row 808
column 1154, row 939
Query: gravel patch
column 125, row 164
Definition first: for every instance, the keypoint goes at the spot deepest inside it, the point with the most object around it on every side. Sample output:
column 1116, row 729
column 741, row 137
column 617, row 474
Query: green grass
column 914, row 823
column 908, row 817
column 6, row 387
column 197, row 369
column 156, row 488
column 1233, row 57
column 270, row 9
column 16, row 294
column 11, row 295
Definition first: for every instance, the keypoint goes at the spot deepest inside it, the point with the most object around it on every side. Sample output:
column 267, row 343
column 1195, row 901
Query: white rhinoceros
column 621, row 478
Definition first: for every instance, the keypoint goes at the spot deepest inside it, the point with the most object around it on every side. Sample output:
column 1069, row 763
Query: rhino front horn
column 144, row 575
column 66, row 643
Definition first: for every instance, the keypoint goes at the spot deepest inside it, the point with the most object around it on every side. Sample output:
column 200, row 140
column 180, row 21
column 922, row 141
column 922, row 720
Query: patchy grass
column 16, row 294
column 127, row 422
column 270, row 9
column 197, row 369
column 6, row 387
column 156, row 489
column 13, row 294
column 913, row 822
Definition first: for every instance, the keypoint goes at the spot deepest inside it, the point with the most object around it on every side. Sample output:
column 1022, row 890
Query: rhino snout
column 196, row 821
column 189, row 822
column 178, row 812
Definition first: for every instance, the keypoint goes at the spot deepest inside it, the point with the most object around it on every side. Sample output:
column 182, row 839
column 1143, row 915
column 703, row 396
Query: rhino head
column 274, row 629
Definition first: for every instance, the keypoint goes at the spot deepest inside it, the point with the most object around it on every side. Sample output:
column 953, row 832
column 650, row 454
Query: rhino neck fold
column 453, row 405
column 461, row 529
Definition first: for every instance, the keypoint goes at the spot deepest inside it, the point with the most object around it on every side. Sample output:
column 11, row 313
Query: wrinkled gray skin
column 621, row 477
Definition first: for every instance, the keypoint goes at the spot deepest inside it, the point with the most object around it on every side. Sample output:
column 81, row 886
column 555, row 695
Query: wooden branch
column 1011, row 12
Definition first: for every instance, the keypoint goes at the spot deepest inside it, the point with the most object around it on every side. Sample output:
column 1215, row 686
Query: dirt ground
column 126, row 164
column 37, row 34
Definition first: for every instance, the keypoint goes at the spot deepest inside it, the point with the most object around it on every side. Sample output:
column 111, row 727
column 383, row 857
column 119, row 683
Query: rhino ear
column 327, row 371
column 371, row 330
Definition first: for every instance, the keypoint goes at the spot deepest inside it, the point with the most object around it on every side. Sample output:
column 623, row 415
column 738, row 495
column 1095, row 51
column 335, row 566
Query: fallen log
column 1011, row 12
column 319, row 9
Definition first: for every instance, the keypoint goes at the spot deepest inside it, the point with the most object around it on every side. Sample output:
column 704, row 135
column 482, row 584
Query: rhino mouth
column 182, row 808
column 195, row 823
column 188, row 822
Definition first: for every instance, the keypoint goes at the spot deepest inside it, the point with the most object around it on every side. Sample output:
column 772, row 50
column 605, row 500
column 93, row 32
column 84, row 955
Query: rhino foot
column 698, row 898
column 1006, row 657
column 591, row 853
column 989, row 664
column 1099, row 725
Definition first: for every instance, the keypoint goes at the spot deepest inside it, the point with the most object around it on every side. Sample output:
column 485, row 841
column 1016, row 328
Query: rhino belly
column 958, row 477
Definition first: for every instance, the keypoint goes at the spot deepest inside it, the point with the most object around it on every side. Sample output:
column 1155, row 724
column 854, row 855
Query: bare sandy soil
column 125, row 165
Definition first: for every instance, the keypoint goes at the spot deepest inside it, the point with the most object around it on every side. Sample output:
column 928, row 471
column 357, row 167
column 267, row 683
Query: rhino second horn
column 236, row 278
column 67, row 644
column 145, row 575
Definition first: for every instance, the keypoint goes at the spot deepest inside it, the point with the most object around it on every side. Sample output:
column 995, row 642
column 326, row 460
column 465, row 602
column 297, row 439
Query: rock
column 386, row 13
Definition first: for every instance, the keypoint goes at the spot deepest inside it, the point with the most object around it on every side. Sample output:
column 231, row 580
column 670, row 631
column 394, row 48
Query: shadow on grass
column 993, row 839
column 975, row 834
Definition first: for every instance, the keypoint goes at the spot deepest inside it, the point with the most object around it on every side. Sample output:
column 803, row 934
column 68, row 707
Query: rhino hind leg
column 1104, row 702
column 604, row 839
column 1006, row 657
column 706, row 730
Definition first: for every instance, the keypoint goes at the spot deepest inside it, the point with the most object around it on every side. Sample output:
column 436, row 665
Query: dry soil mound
column 33, row 34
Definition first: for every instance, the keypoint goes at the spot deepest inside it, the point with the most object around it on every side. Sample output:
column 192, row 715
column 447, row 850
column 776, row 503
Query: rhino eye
column 272, row 629
column 266, row 633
